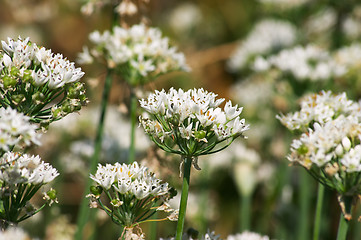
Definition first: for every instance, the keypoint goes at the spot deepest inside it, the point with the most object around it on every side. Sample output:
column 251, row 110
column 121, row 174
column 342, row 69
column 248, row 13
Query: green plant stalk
column 305, row 191
column 153, row 228
column 245, row 214
column 184, row 197
column 318, row 214
column 133, row 120
column 84, row 212
column 343, row 223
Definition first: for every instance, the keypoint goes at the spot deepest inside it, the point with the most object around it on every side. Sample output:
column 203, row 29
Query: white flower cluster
column 15, row 129
column 14, row 233
column 303, row 63
column 321, row 108
column 267, row 36
column 130, row 179
column 16, row 168
column 137, row 52
column 349, row 56
column 45, row 67
column 190, row 118
column 247, row 236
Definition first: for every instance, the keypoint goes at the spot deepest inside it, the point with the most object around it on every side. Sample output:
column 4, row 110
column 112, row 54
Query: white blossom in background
column 268, row 36
column 16, row 168
column 192, row 119
column 208, row 236
column 139, row 53
column 39, row 83
column 185, row 17
column 14, row 233
column 320, row 108
column 349, row 56
column 321, row 22
column 247, row 236
column 305, row 63
column 131, row 185
column 16, row 130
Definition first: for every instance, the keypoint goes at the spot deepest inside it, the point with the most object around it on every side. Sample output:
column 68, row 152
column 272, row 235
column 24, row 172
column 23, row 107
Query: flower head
column 32, row 78
column 139, row 53
column 130, row 185
column 247, row 236
column 16, row 129
column 190, row 123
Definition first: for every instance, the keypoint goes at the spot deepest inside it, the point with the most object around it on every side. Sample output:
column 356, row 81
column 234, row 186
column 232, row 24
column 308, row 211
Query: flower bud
column 14, row 71
column 302, row 150
column 52, row 194
column 96, row 190
column 9, row 82
column 18, row 98
column 38, row 97
column 346, row 143
column 27, row 76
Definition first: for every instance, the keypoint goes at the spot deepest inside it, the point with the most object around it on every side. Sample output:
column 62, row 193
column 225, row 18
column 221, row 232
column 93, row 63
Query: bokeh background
column 281, row 198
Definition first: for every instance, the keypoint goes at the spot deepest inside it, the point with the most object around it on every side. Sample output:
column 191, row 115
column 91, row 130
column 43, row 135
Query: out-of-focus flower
column 193, row 235
column 21, row 176
column 349, row 56
column 134, row 193
column 247, row 236
column 139, row 54
column 14, row 233
column 268, row 36
column 16, row 129
column 32, row 79
column 190, row 123
column 61, row 229
column 184, row 18
column 306, row 63
column 321, row 22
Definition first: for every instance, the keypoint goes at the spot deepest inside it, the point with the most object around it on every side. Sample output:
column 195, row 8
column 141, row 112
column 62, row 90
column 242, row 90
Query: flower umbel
column 191, row 123
column 21, row 176
column 139, row 53
column 43, row 85
column 133, row 193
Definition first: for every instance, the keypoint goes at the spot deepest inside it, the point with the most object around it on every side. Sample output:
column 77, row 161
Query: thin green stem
column 133, row 120
column 184, row 197
column 344, row 223
column 318, row 214
column 245, row 214
column 304, row 197
column 84, row 213
column 153, row 227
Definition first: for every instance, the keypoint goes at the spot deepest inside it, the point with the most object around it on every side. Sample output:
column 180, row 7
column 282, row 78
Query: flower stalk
column 133, row 120
column 318, row 214
column 184, row 197
column 345, row 217
column 84, row 210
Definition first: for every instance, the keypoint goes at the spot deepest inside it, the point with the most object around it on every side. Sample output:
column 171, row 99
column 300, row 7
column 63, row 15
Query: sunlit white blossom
column 247, row 236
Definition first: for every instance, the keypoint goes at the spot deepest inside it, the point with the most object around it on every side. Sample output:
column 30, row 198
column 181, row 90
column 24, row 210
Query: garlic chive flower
column 139, row 54
column 321, row 108
column 191, row 123
column 21, row 176
column 43, row 85
column 133, row 194
column 332, row 154
column 16, row 129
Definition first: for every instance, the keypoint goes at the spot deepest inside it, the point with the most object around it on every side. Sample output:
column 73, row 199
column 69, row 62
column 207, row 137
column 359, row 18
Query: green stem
column 184, row 197
column 303, row 229
column 318, row 214
column 245, row 213
column 343, row 224
column 84, row 213
column 133, row 120
column 153, row 228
